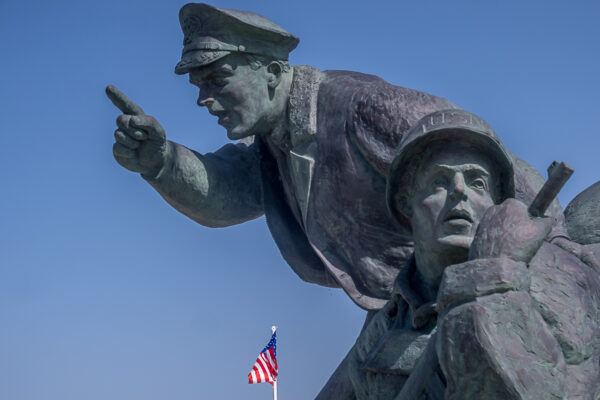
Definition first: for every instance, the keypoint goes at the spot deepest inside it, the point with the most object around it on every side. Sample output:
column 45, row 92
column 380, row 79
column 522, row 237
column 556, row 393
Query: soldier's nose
column 458, row 184
column 205, row 102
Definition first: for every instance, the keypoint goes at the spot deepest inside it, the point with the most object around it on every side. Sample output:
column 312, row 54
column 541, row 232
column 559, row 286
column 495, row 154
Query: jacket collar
column 302, row 105
column 422, row 314
column 301, row 123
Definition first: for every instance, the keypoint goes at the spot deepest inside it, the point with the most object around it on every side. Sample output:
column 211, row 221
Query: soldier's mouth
column 458, row 215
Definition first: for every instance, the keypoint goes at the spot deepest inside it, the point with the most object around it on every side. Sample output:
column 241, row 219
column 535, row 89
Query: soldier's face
column 237, row 94
column 452, row 192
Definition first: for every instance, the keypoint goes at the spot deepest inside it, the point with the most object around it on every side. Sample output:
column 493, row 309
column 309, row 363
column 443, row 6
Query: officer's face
column 453, row 190
column 237, row 94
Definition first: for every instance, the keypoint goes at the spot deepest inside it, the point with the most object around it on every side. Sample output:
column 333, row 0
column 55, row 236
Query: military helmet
column 439, row 128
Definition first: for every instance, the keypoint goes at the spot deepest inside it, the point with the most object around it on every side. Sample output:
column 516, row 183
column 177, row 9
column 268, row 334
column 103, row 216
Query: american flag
column 265, row 367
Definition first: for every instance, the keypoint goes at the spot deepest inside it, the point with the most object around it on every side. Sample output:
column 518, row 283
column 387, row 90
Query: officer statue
column 485, row 308
column 312, row 153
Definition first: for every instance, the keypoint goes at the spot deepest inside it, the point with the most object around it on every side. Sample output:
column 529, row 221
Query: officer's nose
column 205, row 101
column 205, row 98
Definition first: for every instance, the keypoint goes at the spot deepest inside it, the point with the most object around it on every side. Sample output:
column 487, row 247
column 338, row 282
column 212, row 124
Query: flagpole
column 273, row 329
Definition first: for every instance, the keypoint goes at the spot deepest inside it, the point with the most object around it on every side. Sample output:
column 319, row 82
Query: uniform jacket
column 320, row 181
column 538, row 338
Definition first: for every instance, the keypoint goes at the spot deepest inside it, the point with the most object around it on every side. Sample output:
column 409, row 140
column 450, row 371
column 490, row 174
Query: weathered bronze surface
column 313, row 153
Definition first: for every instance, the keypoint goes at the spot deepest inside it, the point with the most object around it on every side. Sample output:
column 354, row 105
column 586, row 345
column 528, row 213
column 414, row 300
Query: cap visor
column 197, row 59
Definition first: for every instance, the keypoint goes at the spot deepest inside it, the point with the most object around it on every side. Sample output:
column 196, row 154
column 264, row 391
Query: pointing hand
column 140, row 141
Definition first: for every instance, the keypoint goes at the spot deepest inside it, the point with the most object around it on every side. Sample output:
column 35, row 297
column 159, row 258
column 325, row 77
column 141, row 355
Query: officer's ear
column 275, row 71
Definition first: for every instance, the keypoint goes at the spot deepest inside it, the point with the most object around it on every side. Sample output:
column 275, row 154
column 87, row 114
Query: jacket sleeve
column 499, row 347
column 566, row 293
column 533, row 341
column 214, row 189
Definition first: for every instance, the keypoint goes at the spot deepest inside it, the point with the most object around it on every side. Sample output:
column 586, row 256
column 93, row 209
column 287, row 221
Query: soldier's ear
column 275, row 71
column 408, row 210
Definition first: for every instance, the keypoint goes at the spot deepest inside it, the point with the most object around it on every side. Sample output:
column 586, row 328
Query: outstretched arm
column 216, row 189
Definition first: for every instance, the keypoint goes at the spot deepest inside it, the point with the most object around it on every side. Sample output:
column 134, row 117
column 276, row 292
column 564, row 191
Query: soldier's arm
column 546, row 329
column 521, row 304
column 499, row 347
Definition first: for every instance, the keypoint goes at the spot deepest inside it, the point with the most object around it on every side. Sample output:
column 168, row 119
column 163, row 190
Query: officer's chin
column 237, row 133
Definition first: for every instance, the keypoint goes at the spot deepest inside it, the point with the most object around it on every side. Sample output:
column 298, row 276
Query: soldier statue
column 312, row 153
column 485, row 308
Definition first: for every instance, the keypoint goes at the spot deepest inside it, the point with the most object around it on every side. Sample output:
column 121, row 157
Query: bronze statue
column 313, row 153
column 468, row 295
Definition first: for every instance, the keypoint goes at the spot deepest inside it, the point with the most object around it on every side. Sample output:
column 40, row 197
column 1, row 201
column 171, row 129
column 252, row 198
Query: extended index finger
column 123, row 102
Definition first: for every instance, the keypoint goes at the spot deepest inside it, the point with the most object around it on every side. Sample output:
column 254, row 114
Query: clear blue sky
column 108, row 293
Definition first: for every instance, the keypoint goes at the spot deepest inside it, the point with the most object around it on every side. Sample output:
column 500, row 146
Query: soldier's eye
column 479, row 183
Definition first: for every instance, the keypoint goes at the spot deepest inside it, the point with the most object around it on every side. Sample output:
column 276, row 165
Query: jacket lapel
column 302, row 124
column 302, row 163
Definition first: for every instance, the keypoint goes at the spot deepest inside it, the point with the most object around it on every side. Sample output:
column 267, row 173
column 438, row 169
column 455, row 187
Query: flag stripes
column 265, row 366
